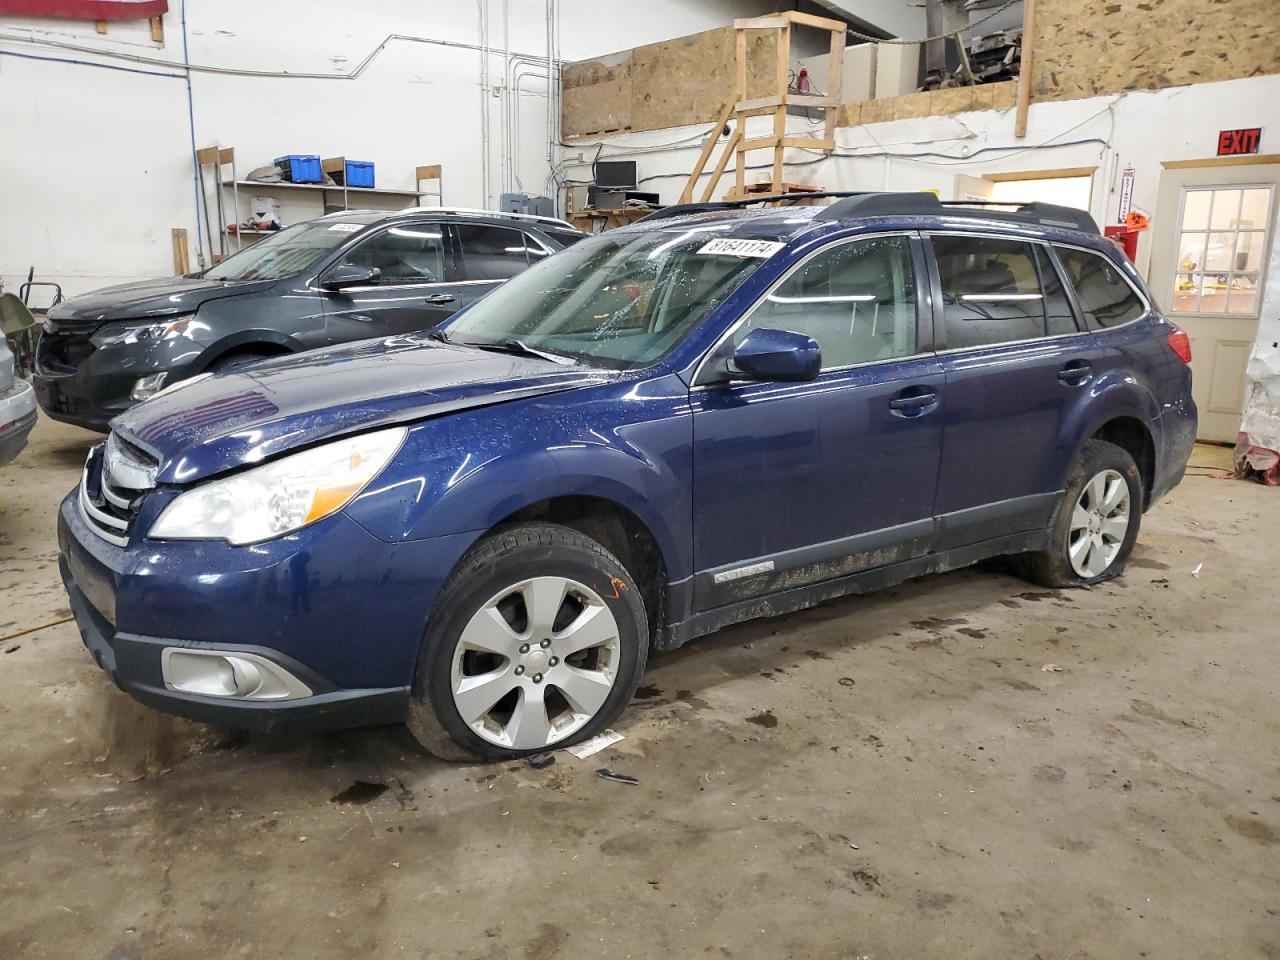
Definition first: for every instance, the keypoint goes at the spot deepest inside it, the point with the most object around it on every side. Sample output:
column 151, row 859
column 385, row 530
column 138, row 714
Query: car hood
column 143, row 299
column 216, row 423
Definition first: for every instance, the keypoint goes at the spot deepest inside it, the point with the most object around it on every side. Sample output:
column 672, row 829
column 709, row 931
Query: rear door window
column 493, row 253
column 566, row 238
column 1106, row 298
column 1059, row 318
column 999, row 291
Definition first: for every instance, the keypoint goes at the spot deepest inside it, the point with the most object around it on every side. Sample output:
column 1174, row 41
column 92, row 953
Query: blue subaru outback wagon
column 715, row 414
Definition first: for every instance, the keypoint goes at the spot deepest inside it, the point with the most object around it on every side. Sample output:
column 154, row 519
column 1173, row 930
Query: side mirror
column 348, row 275
column 778, row 355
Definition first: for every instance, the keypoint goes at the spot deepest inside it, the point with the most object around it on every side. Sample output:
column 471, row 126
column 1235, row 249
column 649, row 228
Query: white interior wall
column 96, row 168
column 1140, row 128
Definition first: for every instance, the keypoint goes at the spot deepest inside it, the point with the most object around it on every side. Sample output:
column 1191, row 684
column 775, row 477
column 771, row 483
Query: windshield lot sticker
column 742, row 248
column 345, row 227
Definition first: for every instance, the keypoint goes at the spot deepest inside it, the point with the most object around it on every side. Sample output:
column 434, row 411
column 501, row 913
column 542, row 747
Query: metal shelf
column 329, row 195
column 332, row 188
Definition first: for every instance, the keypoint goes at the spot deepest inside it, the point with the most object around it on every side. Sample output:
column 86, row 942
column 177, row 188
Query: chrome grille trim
column 98, row 519
column 125, row 468
column 124, row 477
column 112, row 497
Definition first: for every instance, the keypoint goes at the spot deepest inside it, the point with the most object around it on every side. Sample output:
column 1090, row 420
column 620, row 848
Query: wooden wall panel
column 1091, row 47
column 1084, row 48
column 688, row 80
column 682, row 81
column 596, row 97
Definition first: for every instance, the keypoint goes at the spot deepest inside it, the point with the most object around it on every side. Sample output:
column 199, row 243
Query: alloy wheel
column 535, row 663
column 1099, row 524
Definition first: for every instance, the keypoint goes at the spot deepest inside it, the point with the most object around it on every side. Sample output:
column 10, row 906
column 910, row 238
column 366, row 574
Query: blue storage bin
column 300, row 168
column 359, row 173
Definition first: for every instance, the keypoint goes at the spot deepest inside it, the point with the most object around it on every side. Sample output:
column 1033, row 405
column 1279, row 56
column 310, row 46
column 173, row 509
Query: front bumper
column 76, row 383
column 133, row 663
column 17, row 419
column 339, row 609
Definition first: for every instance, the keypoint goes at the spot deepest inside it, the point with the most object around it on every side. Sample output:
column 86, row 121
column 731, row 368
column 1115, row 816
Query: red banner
column 86, row 9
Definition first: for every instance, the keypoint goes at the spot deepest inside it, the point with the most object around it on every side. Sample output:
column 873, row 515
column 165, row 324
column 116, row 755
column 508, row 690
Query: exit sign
column 1233, row 143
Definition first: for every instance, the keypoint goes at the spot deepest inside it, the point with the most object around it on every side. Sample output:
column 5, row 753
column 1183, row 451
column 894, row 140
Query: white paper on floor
column 594, row 745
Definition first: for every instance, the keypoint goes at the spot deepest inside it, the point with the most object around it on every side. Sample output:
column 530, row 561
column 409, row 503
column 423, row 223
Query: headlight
column 140, row 333
column 282, row 496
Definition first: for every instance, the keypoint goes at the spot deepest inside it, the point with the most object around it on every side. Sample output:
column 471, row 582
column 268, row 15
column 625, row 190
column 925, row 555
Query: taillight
column 1180, row 344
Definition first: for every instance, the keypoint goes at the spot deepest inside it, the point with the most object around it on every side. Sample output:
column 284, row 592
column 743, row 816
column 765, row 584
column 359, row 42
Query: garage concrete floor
column 966, row 766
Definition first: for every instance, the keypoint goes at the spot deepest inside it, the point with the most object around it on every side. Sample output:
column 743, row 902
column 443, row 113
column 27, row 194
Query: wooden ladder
column 740, row 108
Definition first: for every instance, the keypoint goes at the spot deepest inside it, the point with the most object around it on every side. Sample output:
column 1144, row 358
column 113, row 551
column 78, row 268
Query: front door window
column 409, row 254
column 1221, row 244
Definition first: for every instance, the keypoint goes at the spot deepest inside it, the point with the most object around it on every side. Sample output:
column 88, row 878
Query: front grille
column 59, row 353
column 117, row 477
column 82, row 325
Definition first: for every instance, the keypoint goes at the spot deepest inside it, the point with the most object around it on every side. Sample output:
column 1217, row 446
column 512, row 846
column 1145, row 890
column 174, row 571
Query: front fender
column 470, row 470
column 242, row 338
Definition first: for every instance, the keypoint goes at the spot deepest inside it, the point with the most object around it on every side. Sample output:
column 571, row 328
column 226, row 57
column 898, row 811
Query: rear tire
column 1096, row 523
column 538, row 641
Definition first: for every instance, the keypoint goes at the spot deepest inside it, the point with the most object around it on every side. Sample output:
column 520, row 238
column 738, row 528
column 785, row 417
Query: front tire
column 1096, row 523
column 538, row 641
column 238, row 361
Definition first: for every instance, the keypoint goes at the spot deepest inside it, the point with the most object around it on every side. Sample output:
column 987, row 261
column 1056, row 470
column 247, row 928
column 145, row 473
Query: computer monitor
column 616, row 174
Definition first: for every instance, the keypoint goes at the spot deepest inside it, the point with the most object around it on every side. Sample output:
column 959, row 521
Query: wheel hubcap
column 535, row 663
column 1099, row 524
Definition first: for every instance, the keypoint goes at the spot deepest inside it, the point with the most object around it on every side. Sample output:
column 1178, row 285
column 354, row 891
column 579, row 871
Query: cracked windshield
column 618, row 301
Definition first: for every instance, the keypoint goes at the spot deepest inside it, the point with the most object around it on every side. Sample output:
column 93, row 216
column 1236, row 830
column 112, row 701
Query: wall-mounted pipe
column 191, row 128
column 239, row 71
column 509, row 175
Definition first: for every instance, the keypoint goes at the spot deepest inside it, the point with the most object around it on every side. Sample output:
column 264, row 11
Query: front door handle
column 1076, row 373
column 914, row 402
column 441, row 298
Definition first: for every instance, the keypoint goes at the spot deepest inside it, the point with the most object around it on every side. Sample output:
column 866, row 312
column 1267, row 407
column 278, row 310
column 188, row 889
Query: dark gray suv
column 346, row 276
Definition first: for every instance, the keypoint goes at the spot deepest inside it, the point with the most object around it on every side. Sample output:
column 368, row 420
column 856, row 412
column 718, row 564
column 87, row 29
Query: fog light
column 148, row 386
column 242, row 676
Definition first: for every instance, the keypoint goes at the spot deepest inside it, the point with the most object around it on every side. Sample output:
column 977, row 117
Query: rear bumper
column 1178, row 424
column 17, row 419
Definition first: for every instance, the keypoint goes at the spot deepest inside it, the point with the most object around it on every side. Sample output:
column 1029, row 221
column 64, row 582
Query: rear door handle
column 1076, row 373
column 914, row 402
column 441, row 298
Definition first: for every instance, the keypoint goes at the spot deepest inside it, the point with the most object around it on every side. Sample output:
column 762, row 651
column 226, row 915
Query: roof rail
column 926, row 204
column 1056, row 215
column 491, row 213
column 684, row 209
column 851, row 204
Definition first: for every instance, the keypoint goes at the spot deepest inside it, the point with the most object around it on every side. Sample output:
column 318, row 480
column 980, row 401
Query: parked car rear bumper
column 17, row 419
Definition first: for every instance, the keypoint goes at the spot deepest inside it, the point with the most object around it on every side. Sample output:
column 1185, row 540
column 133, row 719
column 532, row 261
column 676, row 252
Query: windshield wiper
column 439, row 335
column 512, row 345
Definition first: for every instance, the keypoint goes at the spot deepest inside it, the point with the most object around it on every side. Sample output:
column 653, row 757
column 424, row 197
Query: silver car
column 17, row 407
